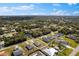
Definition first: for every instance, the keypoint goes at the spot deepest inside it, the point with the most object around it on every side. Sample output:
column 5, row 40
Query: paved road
column 74, row 52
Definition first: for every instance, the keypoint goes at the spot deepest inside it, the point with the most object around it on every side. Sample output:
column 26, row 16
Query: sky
column 56, row 9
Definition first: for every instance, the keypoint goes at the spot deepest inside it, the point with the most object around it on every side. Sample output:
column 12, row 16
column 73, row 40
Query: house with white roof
column 50, row 51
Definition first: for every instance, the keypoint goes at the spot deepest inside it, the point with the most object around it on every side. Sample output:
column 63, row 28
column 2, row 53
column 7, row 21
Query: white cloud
column 30, row 7
column 64, row 12
column 76, row 12
column 38, row 13
column 5, row 9
column 21, row 8
column 56, row 4
column 59, row 12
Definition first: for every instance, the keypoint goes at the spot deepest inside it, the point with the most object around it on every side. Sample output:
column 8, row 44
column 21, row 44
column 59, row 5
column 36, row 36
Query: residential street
column 74, row 52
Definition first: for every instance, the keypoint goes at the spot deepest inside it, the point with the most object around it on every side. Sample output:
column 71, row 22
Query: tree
column 45, row 31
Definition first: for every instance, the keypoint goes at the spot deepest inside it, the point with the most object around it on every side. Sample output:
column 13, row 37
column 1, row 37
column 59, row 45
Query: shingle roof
column 37, row 44
column 17, row 52
column 59, row 34
column 72, row 37
column 29, row 47
column 46, row 39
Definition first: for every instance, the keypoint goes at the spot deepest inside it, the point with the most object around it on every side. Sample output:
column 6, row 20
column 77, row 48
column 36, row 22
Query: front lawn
column 71, row 42
column 65, row 52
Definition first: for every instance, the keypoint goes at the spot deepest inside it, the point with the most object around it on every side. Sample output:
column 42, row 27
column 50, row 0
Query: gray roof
column 17, row 52
column 46, row 39
column 58, row 35
column 37, row 44
column 29, row 47
column 72, row 37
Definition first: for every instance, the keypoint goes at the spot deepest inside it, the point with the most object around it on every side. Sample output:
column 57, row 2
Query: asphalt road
column 75, row 51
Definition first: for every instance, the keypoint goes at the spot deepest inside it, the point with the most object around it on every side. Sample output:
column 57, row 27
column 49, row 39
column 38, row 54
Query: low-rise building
column 37, row 44
column 29, row 47
column 46, row 39
column 50, row 51
column 2, row 44
column 17, row 52
column 58, row 35
column 72, row 37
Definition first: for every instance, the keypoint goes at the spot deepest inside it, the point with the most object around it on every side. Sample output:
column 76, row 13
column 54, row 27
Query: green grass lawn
column 60, row 54
column 71, row 42
column 49, row 34
column 65, row 52
column 42, row 42
column 52, row 33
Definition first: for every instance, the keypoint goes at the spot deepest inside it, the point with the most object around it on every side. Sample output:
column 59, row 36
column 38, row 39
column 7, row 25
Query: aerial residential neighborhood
column 39, row 29
column 41, row 36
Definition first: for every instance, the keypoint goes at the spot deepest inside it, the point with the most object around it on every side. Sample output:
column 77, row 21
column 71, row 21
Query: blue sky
column 58, row 9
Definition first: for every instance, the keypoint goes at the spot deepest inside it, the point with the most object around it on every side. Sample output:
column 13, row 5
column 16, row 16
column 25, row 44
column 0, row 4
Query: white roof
column 2, row 42
column 50, row 51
